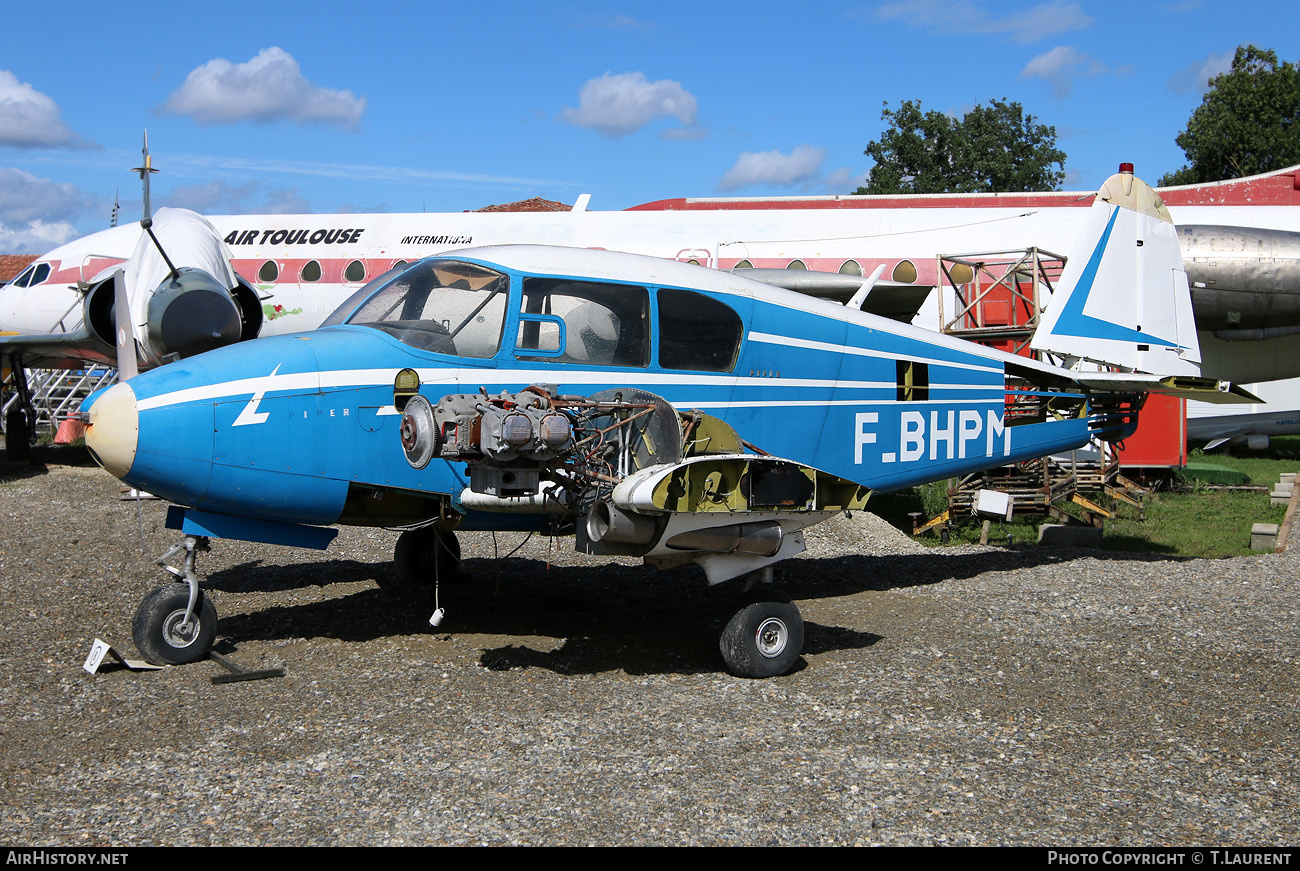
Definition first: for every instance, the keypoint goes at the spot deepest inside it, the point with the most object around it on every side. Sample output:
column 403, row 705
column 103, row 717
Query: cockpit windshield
column 447, row 306
column 32, row 275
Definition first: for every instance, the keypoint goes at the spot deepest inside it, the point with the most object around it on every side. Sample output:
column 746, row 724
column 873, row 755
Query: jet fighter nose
column 113, row 430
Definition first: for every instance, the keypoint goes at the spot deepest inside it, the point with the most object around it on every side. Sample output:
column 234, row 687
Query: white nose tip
column 113, row 429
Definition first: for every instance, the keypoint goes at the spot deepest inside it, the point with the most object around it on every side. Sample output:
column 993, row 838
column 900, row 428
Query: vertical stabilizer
column 1123, row 298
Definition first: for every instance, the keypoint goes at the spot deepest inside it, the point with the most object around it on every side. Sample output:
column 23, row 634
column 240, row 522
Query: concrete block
column 1288, row 477
column 1060, row 535
column 1279, row 498
column 1284, row 487
column 1263, row 536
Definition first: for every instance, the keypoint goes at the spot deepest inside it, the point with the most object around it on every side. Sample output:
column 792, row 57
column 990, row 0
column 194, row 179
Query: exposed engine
column 638, row 478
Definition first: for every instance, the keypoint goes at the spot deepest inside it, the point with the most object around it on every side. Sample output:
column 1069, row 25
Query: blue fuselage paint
column 279, row 428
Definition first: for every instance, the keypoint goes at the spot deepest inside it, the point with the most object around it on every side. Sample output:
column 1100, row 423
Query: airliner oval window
column 310, row 271
column 448, row 306
column 587, row 322
column 697, row 332
column 355, row 272
column 269, row 272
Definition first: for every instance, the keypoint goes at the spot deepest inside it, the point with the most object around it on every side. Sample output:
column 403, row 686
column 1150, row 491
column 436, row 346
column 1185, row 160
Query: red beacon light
column 1126, row 167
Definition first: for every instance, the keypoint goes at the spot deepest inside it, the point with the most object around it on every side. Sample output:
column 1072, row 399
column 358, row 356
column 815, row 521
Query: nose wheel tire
column 764, row 636
column 163, row 635
column 422, row 558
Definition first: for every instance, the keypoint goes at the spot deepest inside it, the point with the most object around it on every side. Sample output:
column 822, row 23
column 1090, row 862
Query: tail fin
column 1123, row 298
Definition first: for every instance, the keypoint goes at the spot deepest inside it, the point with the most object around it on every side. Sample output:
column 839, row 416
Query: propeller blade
column 126, row 354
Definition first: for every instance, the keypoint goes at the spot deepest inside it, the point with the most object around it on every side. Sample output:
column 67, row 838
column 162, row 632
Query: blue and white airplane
column 651, row 407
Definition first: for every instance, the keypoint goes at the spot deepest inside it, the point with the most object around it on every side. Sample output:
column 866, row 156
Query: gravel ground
column 962, row 696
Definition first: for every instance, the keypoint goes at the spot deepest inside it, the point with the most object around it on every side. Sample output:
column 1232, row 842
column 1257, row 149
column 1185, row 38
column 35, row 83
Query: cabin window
column 447, row 306
column 743, row 264
column 913, row 381
column 850, row 267
column 587, row 322
column 269, row 272
column 310, row 271
column 796, row 264
column 355, row 271
column 697, row 332
column 399, row 264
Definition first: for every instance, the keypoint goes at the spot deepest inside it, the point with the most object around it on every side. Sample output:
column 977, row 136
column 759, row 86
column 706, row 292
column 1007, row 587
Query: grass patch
column 1190, row 519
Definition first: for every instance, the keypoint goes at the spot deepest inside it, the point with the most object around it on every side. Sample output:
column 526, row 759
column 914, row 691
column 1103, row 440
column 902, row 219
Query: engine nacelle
column 190, row 314
column 186, row 316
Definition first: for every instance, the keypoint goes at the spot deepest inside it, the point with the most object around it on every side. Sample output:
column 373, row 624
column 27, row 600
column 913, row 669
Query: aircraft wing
column 58, row 350
column 895, row 300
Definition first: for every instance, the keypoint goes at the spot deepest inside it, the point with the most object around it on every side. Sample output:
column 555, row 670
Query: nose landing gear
column 176, row 623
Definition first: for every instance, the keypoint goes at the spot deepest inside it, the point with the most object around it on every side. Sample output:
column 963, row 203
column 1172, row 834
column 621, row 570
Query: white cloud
column 30, row 119
column 800, row 167
column 618, row 105
column 1195, row 79
column 843, row 181
column 36, row 214
column 36, row 237
column 219, row 198
column 26, row 198
column 1059, row 65
column 270, row 87
column 964, row 16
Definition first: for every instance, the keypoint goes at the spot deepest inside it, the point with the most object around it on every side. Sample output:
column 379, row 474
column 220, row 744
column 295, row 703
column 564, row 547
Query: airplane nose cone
column 113, row 430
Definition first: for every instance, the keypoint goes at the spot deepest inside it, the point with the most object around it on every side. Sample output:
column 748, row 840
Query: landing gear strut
column 18, row 434
column 20, row 421
column 176, row 623
column 764, row 636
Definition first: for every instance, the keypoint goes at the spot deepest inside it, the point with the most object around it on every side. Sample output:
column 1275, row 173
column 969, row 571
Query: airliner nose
column 114, row 429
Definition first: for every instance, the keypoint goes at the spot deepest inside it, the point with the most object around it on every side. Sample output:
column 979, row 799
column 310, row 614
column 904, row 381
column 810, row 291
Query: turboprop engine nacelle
column 183, row 294
column 184, row 316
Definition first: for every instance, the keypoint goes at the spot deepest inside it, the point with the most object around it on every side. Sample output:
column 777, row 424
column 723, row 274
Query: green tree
column 997, row 147
column 1248, row 121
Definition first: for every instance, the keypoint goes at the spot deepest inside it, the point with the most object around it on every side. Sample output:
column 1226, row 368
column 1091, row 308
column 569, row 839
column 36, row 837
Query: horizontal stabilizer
column 1123, row 298
column 1183, row 387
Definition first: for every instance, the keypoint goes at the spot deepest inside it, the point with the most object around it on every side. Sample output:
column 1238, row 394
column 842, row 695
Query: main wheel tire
column 160, row 632
column 764, row 637
column 424, row 557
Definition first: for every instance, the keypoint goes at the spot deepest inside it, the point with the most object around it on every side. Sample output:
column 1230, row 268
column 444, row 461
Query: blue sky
column 327, row 107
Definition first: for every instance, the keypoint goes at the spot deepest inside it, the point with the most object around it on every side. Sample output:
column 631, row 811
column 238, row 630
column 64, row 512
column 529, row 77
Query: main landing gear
column 764, row 636
column 423, row 558
column 176, row 623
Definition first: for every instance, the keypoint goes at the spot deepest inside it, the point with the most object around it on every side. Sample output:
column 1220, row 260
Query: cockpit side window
column 447, row 306
column 697, row 332
column 586, row 322
column 32, row 275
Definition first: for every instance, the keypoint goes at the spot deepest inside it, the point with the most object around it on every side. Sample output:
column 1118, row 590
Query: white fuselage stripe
column 811, row 345
column 346, row 378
